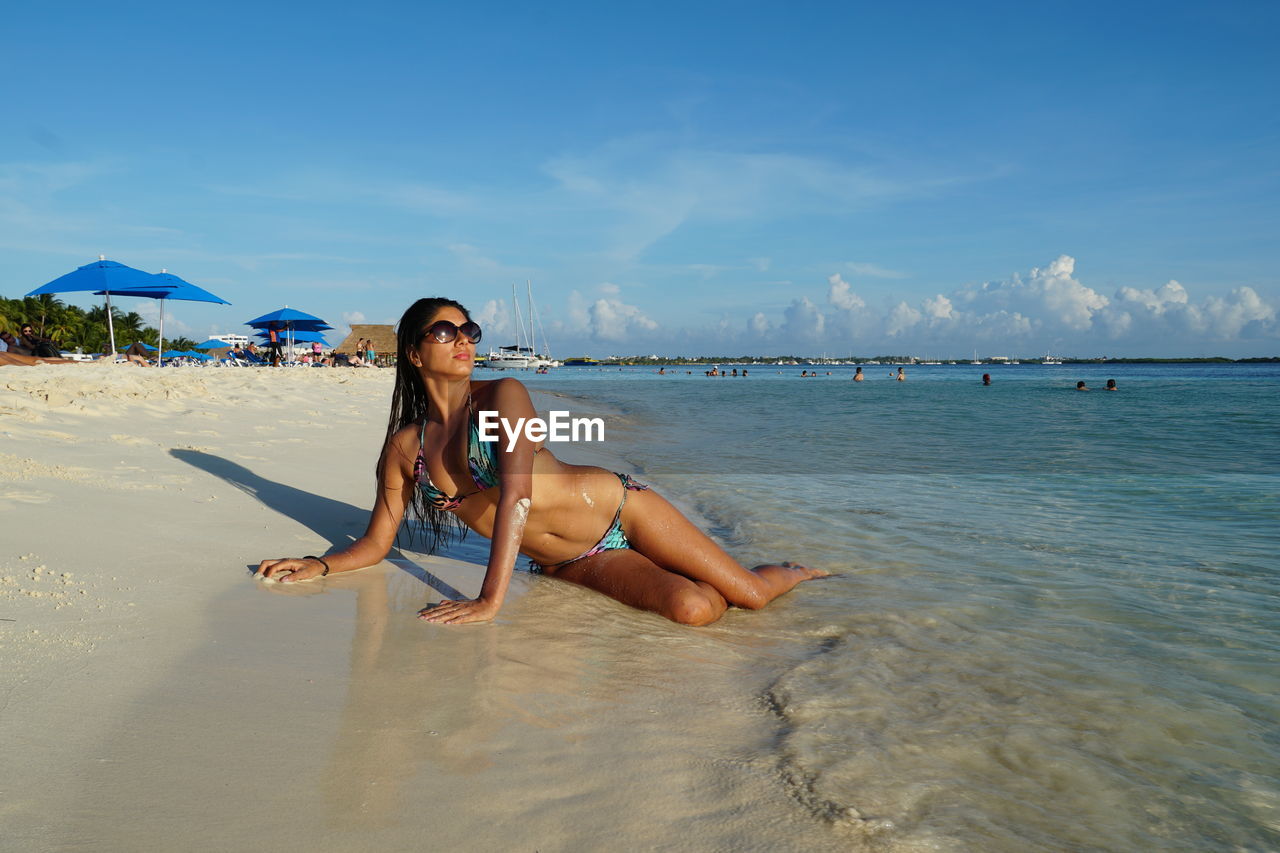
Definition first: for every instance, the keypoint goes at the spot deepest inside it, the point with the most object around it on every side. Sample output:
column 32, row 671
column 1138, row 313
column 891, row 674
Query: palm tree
column 9, row 311
column 128, row 327
column 48, row 306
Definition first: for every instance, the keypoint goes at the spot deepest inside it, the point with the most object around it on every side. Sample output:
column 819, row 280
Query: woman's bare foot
column 780, row 577
column 805, row 572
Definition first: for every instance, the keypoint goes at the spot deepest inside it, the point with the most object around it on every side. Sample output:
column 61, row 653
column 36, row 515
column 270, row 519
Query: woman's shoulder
column 407, row 435
column 495, row 390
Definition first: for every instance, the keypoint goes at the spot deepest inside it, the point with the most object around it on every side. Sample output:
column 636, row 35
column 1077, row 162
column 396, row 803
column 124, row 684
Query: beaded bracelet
column 325, row 573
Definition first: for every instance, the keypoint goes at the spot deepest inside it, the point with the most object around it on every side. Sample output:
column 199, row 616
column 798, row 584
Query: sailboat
column 521, row 354
column 1050, row 360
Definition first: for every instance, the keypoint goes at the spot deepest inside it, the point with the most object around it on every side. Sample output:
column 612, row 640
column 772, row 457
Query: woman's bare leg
column 660, row 532
column 630, row 577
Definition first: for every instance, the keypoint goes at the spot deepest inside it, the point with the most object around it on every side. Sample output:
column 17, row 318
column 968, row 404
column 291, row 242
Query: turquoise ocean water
column 1054, row 624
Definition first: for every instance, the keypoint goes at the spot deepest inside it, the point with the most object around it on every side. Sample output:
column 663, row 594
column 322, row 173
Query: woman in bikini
column 524, row 499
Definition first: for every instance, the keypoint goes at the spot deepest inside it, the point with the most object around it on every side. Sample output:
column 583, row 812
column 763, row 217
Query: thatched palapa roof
column 383, row 337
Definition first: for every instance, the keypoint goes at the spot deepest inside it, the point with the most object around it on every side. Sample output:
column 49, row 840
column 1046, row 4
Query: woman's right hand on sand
column 289, row 570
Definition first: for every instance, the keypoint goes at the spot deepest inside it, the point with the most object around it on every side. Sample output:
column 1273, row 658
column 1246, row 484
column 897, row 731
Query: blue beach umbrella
column 213, row 343
column 286, row 318
column 102, row 278
column 303, row 337
column 165, row 285
column 289, row 320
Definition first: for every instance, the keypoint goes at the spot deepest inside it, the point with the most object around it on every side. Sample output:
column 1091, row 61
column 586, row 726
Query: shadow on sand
column 327, row 518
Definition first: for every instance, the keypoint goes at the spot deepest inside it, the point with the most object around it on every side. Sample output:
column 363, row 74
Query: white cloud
column 1169, row 311
column 1051, row 294
column 1228, row 318
column 802, row 323
column 611, row 289
column 841, row 295
column 494, row 318
column 938, row 308
column 900, row 319
column 613, row 320
column 1046, row 307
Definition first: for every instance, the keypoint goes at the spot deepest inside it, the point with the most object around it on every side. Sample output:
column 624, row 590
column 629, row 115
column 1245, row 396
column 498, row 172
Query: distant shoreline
column 789, row 360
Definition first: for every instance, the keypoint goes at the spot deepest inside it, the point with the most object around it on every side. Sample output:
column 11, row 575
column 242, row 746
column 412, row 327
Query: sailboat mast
column 528, row 285
column 515, row 304
column 535, row 325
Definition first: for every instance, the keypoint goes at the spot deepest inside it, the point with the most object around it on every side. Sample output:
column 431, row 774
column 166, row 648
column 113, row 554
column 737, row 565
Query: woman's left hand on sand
column 288, row 570
column 449, row 612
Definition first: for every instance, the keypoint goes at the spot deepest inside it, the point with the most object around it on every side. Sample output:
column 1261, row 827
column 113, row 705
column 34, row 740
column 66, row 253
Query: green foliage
column 73, row 327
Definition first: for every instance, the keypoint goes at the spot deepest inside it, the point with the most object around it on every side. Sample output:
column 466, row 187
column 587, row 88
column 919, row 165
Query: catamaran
column 521, row 354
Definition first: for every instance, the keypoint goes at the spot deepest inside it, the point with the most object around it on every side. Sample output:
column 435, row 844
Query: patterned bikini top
column 482, row 462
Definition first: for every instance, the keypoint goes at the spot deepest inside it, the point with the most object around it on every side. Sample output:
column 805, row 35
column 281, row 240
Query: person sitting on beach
column 28, row 342
column 24, row 343
column 1111, row 385
column 1080, row 386
column 524, row 499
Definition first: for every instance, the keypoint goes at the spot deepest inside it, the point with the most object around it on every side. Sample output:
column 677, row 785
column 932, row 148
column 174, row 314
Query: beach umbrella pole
column 160, row 351
column 111, row 329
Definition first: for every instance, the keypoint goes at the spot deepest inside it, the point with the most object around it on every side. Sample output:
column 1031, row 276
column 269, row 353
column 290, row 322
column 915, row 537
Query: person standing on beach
column 516, row 493
column 273, row 344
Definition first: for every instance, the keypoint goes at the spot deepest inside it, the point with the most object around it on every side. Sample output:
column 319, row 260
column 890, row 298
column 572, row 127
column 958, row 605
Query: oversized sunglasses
column 442, row 331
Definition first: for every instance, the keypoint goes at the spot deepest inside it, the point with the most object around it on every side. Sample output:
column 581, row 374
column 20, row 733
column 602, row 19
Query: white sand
column 153, row 696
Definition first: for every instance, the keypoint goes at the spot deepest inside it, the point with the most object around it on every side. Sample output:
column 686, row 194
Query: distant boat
column 584, row 361
column 509, row 357
column 521, row 355
column 975, row 358
column 1049, row 360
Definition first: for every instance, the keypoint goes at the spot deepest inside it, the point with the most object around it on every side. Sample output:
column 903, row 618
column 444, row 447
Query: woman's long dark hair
column 409, row 403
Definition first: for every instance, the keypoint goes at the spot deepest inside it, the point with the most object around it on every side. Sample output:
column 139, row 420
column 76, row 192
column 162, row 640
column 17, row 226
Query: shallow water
column 1054, row 621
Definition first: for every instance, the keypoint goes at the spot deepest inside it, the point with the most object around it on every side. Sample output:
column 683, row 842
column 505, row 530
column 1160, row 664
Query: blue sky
column 675, row 178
